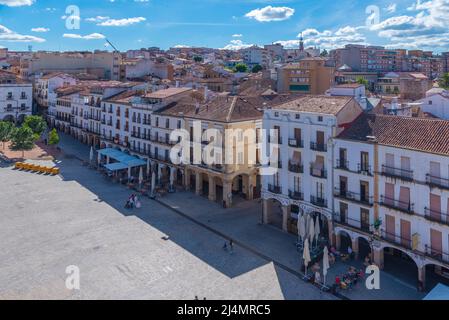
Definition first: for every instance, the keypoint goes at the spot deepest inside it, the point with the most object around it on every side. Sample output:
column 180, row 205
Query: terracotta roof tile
column 422, row 134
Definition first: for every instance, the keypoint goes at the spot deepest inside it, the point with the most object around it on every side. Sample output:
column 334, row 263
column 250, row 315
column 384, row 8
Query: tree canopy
column 6, row 131
column 257, row 68
column 23, row 139
column 36, row 124
column 444, row 81
column 53, row 137
column 240, row 67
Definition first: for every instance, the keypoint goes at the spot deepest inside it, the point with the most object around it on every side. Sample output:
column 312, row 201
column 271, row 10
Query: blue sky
column 131, row 24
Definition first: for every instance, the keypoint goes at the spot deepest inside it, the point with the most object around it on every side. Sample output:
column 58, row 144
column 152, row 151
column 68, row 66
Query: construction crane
column 112, row 45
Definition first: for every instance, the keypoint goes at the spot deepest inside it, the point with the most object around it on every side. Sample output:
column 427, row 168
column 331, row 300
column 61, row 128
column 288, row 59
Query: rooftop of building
column 420, row 134
column 166, row 93
column 224, row 108
column 317, row 104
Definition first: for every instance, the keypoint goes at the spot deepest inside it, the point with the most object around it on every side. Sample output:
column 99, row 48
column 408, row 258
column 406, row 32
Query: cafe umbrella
column 317, row 230
column 302, row 228
column 326, row 265
column 91, row 155
column 311, row 231
column 140, row 177
column 306, row 255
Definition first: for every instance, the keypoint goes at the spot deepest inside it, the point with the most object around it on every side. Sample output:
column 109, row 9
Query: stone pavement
column 242, row 223
column 49, row 223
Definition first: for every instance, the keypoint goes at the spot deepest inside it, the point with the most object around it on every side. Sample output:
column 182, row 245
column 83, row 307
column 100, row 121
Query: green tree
column 53, row 137
column 257, row 68
column 361, row 80
column 37, row 124
column 198, row 59
column 324, row 53
column 6, row 132
column 23, row 139
column 241, row 67
column 444, row 81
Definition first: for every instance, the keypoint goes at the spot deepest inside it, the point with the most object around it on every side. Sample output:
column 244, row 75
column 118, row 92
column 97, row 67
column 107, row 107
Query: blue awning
column 124, row 160
column 440, row 292
column 116, row 166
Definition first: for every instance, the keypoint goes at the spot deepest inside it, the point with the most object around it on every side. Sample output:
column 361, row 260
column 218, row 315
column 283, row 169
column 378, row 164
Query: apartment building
column 369, row 58
column 407, row 85
column 392, row 192
column 303, row 183
column 309, row 76
column 256, row 56
column 436, row 103
column 16, row 97
column 105, row 65
column 47, row 84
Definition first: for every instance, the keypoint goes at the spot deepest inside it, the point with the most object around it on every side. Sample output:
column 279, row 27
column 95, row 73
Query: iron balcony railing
column 437, row 182
column 437, row 254
column 406, row 207
column 318, row 201
column 436, row 216
column 352, row 196
column 397, row 173
column 295, row 167
column 342, row 164
column 296, row 195
column 322, row 147
column 349, row 222
column 364, row 168
column 275, row 189
column 319, row 173
column 294, row 143
column 397, row 240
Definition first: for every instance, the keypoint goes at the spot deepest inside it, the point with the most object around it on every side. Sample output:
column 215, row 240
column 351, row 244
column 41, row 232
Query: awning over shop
column 116, row 166
column 124, row 160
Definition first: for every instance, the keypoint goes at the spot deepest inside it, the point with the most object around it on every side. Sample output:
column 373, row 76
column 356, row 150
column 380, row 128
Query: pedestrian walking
column 231, row 245
column 225, row 246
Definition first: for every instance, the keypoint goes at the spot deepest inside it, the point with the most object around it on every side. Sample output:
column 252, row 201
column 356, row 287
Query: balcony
column 322, row 147
column 352, row 223
column 436, row 216
column 318, row 201
column 437, row 182
column 274, row 189
column 296, row 143
column 342, row 164
column 402, row 174
column 364, row 168
column 318, row 173
column 352, row 196
column 296, row 195
column 437, row 254
column 397, row 240
column 295, row 168
column 405, row 207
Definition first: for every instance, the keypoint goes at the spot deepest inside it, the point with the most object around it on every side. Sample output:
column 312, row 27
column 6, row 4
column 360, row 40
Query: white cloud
column 236, row 44
column 12, row 36
column 92, row 36
column 428, row 28
column 40, row 29
column 121, row 22
column 270, row 13
column 237, row 35
column 328, row 39
column 97, row 19
column 182, row 46
column 17, row 3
